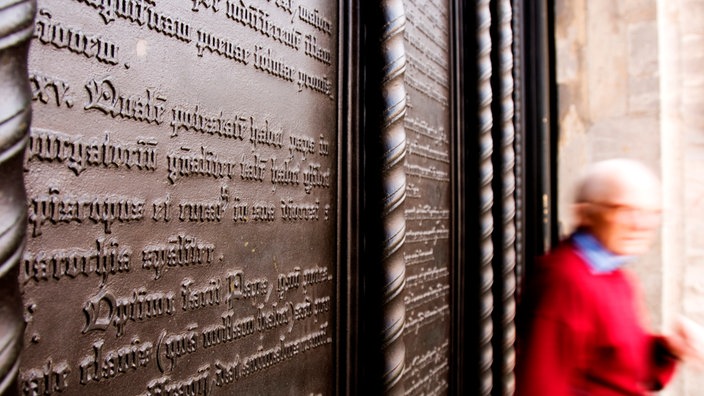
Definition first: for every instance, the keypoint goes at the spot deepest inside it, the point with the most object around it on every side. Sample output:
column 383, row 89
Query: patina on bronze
column 182, row 199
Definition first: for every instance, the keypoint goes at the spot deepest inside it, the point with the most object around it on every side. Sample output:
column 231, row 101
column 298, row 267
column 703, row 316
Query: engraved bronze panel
column 182, row 198
column 428, row 167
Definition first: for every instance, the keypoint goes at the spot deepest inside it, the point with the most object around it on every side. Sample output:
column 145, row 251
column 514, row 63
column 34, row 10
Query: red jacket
column 580, row 334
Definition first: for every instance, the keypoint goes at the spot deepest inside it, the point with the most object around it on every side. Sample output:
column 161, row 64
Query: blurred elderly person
column 580, row 329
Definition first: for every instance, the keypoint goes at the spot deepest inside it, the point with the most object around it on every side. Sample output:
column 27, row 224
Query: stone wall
column 682, row 51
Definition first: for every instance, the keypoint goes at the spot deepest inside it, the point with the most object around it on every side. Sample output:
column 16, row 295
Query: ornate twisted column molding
column 486, row 196
column 393, row 190
column 16, row 26
column 508, row 160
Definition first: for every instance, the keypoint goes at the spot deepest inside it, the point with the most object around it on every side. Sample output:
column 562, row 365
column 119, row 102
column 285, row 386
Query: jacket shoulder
column 563, row 261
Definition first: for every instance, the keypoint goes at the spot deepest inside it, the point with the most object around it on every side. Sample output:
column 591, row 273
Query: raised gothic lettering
column 221, row 46
column 79, row 153
column 294, row 211
column 52, row 32
column 204, row 211
column 261, row 134
column 302, row 144
column 258, row 20
column 107, row 258
column 214, row 4
column 100, row 365
column 44, row 88
column 105, row 97
column 178, row 251
column 315, row 19
column 315, row 177
column 239, row 287
column 49, row 379
column 284, row 172
column 105, row 309
column 198, row 384
column 142, row 13
column 263, row 212
column 253, row 168
column 320, row 84
column 172, row 347
column 315, row 51
column 57, row 208
column 203, row 297
column 197, row 120
column 203, row 162
column 152, row 122
column 264, row 60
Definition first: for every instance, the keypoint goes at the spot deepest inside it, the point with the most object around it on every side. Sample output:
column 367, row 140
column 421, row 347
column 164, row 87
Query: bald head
column 616, row 179
column 618, row 201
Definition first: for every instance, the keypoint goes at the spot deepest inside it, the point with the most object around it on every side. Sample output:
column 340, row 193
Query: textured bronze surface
column 428, row 209
column 182, row 198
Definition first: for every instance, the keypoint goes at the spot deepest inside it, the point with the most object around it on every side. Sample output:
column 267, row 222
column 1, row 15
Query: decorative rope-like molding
column 393, row 180
column 508, row 276
column 486, row 197
column 16, row 27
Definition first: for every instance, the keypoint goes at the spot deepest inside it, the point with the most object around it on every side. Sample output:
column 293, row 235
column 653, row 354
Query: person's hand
column 687, row 341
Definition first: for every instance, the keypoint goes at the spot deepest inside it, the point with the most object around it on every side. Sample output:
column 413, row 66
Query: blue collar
column 599, row 259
